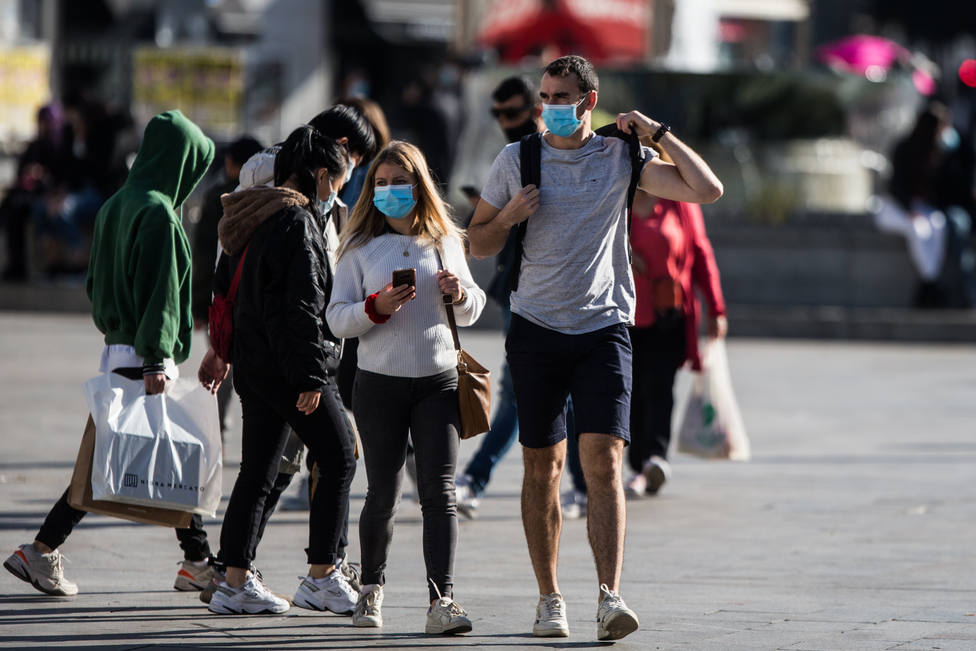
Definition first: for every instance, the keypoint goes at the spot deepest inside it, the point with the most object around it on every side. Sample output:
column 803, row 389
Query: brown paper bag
column 80, row 493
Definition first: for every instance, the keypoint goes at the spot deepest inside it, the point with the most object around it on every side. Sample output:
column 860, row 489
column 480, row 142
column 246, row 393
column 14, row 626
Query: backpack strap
column 232, row 291
column 530, row 166
column 637, row 160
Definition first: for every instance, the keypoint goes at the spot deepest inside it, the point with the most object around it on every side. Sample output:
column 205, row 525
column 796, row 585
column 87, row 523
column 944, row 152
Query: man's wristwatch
column 665, row 128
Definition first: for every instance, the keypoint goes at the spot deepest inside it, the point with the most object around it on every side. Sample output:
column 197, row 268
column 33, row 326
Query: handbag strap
column 448, row 301
column 232, row 292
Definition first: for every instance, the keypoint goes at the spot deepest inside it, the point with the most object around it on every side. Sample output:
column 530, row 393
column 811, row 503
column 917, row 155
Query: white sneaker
column 446, row 617
column 43, row 571
column 193, row 576
column 657, row 471
column 614, row 619
column 636, row 486
column 332, row 592
column 368, row 613
column 252, row 598
column 573, row 505
column 467, row 500
column 550, row 617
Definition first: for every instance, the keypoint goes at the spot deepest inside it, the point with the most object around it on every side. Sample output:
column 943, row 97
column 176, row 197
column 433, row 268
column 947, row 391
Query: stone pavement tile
column 939, row 644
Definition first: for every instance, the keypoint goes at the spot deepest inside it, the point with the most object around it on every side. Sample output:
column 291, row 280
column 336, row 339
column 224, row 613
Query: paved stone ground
column 852, row 527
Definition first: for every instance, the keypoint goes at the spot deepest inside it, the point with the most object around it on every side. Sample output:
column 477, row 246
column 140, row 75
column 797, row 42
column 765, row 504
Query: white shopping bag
column 161, row 450
column 712, row 425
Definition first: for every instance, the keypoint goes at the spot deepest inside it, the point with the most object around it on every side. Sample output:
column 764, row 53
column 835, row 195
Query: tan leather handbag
column 474, row 384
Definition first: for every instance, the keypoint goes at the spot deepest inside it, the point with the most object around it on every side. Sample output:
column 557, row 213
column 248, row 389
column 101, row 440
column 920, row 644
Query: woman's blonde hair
column 431, row 216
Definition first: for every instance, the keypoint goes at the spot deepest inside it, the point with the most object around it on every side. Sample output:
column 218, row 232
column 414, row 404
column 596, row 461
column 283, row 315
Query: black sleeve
column 295, row 301
column 205, row 252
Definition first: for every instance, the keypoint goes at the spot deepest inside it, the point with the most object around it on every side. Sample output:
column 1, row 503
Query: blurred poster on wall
column 24, row 88
column 207, row 84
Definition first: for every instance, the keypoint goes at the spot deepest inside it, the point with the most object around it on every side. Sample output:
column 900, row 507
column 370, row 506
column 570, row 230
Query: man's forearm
column 693, row 169
column 487, row 234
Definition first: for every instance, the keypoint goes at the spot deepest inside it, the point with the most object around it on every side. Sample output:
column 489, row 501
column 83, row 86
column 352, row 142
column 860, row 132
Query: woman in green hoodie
column 139, row 286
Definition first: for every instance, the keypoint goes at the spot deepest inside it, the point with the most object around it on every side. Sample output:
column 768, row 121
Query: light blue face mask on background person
column 394, row 201
column 349, row 167
column 325, row 206
column 561, row 119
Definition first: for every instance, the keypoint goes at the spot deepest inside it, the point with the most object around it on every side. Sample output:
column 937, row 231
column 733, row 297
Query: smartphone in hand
column 405, row 277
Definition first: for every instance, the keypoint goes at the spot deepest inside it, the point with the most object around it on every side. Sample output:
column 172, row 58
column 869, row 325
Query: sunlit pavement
column 852, row 527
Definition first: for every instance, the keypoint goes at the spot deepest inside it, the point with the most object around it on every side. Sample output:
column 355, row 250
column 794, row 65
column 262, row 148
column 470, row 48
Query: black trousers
column 266, row 413
column 389, row 410
column 659, row 351
column 63, row 517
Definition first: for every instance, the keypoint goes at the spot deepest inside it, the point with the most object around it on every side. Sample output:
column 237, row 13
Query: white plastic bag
column 161, row 450
column 712, row 426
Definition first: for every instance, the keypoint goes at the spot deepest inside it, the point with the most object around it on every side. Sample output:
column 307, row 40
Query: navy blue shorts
column 548, row 366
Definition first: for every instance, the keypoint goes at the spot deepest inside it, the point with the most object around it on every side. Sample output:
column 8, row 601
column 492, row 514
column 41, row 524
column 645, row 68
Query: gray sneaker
column 446, row 617
column 614, row 620
column 43, row 571
column 193, row 577
column 657, row 471
column 332, row 593
column 467, row 500
column 550, row 617
column 573, row 505
column 368, row 612
column 252, row 598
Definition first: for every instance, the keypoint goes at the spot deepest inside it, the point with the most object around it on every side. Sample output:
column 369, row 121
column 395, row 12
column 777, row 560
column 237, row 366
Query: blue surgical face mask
column 349, row 167
column 394, row 201
column 561, row 119
column 325, row 206
column 949, row 139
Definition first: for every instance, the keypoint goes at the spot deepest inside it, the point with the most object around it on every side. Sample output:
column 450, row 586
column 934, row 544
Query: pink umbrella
column 873, row 57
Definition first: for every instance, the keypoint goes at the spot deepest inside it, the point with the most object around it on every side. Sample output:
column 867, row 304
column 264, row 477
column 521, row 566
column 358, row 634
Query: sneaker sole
column 463, row 628
column 224, row 610
column 21, row 573
column 368, row 624
column 186, row 584
column 620, row 626
column 308, row 605
column 550, row 632
column 656, row 478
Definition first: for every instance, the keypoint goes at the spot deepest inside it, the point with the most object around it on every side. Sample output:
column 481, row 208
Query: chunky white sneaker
column 573, row 505
column 467, row 500
column 614, row 619
column 329, row 593
column 252, row 598
column 636, row 486
column 550, row 617
column 446, row 617
column 43, row 571
column 368, row 613
column 657, row 471
column 193, row 576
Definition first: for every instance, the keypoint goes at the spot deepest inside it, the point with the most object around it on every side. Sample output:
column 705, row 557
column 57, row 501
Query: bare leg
column 541, row 516
column 606, row 518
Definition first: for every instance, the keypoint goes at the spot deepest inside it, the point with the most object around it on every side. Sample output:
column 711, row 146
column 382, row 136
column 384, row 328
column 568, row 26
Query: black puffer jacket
column 280, row 333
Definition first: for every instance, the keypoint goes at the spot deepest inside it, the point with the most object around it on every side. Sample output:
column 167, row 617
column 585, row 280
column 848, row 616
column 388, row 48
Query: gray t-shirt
column 575, row 276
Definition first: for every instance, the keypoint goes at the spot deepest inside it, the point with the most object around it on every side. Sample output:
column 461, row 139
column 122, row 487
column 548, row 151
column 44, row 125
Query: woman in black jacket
column 284, row 359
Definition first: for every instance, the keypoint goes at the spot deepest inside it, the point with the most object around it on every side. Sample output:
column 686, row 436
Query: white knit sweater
column 416, row 341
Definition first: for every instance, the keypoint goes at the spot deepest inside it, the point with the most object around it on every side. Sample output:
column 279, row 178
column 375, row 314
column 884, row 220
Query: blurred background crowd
column 843, row 130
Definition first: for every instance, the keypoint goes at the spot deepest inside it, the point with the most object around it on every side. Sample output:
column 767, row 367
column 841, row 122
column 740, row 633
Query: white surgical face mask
column 349, row 167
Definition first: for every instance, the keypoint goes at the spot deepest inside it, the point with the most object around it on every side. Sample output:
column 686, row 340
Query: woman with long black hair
column 284, row 359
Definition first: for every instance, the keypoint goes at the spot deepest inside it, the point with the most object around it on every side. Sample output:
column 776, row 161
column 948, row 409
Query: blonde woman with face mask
column 406, row 381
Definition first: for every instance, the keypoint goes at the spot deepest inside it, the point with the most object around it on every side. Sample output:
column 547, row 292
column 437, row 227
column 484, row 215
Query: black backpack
column 530, row 161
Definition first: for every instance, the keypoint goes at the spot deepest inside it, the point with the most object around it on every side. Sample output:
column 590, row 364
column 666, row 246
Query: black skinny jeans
column 659, row 351
column 388, row 410
column 266, row 413
column 63, row 517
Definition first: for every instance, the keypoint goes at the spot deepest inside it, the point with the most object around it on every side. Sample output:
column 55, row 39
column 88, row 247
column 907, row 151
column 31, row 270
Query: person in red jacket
column 671, row 257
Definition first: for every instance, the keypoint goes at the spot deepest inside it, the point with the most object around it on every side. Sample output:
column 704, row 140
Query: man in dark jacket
column 139, row 286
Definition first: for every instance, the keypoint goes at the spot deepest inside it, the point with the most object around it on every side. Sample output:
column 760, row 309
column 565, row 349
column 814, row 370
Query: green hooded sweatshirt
column 139, row 272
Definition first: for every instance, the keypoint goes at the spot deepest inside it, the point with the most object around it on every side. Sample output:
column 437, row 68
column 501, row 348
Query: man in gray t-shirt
column 574, row 300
